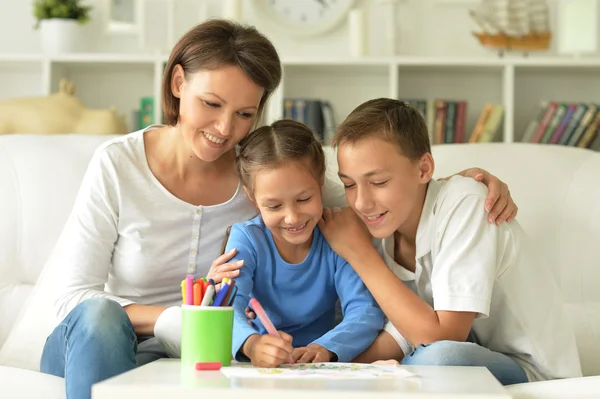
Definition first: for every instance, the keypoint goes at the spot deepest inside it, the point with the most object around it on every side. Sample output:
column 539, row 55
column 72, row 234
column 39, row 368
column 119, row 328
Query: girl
column 288, row 265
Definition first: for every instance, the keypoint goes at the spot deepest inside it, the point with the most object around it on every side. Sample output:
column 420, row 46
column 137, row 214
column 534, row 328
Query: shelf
column 107, row 58
column 83, row 58
column 519, row 83
column 344, row 86
column 21, row 58
column 534, row 86
column 476, row 87
column 104, row 67
column 520, row 62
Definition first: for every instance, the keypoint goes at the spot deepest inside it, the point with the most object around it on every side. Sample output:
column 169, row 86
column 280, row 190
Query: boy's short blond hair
column 387, row 119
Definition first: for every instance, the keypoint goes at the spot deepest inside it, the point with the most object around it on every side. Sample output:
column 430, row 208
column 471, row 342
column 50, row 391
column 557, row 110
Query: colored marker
column 183, row 301
column 197, row 294
column 232, row 296
column 208, row 295
column 262, row 315
column 229, row 292
column 222, row 294
column 189, row 290
column 205, row 366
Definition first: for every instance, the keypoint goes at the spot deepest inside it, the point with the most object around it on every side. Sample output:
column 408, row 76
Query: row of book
column 447, row 121
column 314, row 113
column 565, row 123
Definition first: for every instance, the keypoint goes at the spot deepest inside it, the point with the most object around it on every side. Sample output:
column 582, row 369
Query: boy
column 447, row 275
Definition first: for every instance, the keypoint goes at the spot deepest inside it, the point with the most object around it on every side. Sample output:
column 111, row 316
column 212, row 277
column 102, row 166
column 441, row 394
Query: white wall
column 425, row 28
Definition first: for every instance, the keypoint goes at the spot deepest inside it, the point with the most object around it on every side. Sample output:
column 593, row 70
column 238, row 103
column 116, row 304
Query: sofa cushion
column 556, row 190
column 39, row 178
column 570, row 388
column 25, row 384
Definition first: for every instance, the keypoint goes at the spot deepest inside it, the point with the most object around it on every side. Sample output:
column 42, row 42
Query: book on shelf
column 316, row 114
column 447, row 120
column 146, row 113
column 489, row 124
column 565, row 123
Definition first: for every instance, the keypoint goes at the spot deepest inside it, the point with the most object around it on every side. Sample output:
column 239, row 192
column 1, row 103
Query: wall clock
column 303, row 17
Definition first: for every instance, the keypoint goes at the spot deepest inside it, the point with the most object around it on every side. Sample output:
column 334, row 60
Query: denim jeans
column 452, row 353
column 94, row 342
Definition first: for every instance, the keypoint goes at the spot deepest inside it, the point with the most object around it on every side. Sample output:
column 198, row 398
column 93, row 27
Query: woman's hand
column 344, row 231
column 498, row 203
column 220, row 269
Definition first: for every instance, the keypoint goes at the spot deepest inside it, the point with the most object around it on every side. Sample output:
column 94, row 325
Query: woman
column 154, row 206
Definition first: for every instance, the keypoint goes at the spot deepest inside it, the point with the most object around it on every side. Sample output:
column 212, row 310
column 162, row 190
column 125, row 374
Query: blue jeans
column 452, row 353
column 94, row 342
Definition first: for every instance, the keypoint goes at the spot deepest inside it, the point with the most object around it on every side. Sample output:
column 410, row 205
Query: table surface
column 166, row 378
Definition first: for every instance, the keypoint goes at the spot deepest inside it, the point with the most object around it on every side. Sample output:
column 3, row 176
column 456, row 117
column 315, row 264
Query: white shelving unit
column 520, row 84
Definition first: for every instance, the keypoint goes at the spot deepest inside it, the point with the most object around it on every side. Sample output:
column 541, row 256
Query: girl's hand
column 498, row 203
column 269, row 350
column 220, row 269
column 344, row 231
column 312, row 353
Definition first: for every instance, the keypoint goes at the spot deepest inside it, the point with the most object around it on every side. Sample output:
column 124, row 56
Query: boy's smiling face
column 385, row 188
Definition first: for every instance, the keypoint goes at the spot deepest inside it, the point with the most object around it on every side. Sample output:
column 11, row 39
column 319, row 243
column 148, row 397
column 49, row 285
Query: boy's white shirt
column 464, row 263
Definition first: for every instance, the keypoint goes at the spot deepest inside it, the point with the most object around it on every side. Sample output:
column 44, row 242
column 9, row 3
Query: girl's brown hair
column 282, row 142
column 216, row 43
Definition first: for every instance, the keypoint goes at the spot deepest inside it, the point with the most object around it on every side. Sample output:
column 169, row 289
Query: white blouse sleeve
column 85, row 247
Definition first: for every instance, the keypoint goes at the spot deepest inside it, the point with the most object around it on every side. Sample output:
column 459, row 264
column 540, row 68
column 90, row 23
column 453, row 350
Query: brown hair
column 390, row 120
column 216, row 43
column 283, row 141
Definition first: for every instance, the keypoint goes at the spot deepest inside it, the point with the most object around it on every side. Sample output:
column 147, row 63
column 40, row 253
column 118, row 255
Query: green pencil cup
column 206, row 334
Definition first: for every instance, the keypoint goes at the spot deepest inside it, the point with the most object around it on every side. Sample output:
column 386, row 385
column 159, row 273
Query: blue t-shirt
column 300, row 299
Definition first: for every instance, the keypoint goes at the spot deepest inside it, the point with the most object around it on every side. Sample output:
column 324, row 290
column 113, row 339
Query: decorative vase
column 59, row 35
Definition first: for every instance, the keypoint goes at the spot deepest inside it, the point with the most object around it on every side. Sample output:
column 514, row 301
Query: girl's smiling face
column 288, row 197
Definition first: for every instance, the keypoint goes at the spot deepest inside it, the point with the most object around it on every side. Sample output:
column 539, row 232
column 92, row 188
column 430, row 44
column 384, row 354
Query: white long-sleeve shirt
column 130, row 240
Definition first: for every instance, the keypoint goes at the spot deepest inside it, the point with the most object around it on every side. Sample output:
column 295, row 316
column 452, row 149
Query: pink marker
column 189, row 290
column 262, row 315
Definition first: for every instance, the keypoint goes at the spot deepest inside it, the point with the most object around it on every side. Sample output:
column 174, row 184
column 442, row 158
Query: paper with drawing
column 318, row 370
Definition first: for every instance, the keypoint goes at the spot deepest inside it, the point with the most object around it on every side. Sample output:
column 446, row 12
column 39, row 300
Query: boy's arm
column 242, row 330
column 363, row 319
column 468, row 248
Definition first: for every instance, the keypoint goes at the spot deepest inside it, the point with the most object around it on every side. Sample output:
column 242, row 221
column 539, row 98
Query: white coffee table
column 166, row 379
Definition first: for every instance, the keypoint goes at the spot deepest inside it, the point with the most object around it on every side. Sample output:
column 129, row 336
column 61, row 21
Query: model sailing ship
column 520, row 25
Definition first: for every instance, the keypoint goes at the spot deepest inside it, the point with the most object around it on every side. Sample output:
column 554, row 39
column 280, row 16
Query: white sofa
column 557, row 190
